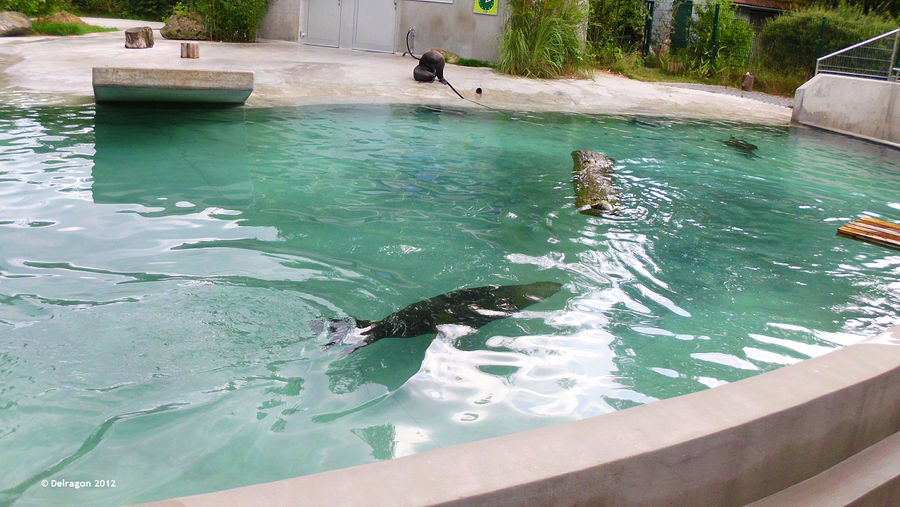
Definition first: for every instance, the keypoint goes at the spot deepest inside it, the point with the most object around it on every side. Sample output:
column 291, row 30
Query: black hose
column 407, row 44
column 454, row 90
column 409, row 50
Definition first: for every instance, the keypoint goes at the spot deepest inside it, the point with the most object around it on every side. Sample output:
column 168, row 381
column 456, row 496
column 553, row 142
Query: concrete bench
column 118, row 84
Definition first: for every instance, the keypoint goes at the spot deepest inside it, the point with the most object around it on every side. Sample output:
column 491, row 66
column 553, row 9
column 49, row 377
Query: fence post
column 893, row 61
column 715, row 34
column 648, row 26
column 821, row 39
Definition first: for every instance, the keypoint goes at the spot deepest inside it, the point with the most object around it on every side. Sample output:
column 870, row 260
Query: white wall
column 282, row 20
column 450, row 26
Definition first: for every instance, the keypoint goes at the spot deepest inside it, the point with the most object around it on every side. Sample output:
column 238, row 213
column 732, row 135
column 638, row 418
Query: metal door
column 374, row 25
column 323, row 22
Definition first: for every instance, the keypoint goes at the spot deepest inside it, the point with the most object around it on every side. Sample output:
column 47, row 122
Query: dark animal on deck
column 431, row 66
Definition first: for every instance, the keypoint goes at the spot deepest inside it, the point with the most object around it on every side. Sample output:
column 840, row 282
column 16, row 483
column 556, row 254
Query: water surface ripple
column 165, row 277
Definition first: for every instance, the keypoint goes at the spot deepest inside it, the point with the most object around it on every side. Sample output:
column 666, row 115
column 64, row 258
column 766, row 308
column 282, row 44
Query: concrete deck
column 58, row 70
column 118, row 84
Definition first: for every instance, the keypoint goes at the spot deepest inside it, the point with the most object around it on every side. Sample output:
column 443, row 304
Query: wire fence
column 875, row 58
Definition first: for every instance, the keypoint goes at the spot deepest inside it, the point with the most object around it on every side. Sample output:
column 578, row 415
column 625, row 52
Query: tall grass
column 542, row 39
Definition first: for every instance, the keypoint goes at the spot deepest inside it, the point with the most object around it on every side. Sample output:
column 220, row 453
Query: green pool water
column 164, row 277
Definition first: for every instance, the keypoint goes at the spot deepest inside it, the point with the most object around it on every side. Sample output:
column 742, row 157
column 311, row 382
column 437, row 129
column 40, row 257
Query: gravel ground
column 727, row 90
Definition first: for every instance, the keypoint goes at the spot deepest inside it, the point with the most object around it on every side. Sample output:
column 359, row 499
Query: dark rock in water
column 185, row 27
column 595, row 191
column 14, row 23
column 741, row 145
column 472, row 307
column 139, row 38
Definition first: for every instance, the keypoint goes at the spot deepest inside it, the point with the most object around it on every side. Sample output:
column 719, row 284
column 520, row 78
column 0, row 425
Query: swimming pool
column 164, row 278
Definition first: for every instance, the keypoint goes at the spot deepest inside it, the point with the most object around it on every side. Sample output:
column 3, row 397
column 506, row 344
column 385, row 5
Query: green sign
column 486, row 7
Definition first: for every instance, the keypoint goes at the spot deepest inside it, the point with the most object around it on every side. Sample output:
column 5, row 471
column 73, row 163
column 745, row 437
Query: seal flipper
column 360, row 344
column 339, row 329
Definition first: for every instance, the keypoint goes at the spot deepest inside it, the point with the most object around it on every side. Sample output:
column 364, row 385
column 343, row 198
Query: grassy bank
column 55, row 28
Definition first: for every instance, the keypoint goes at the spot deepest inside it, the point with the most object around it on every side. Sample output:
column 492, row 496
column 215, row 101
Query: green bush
column 616, row 23
column 541, row 38
column 138, row 9
column 232, row 20
column 34, row 7
column 149, row 9
column 733, row 40
column 790, row 42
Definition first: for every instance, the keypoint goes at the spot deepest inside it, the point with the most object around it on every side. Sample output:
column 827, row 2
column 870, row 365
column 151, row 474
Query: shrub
column 231, row 20
column 541, row 38
column 34, row 7
column 734, row 39
column 149, row 9
column 618, row 23
column 139, row 9
column 790, row 42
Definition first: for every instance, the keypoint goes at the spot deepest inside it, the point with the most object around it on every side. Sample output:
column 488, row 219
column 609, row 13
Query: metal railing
column 875, row 58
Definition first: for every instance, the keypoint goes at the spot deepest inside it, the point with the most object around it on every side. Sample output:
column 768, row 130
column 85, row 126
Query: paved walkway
column 737, row 92
column 58, row 70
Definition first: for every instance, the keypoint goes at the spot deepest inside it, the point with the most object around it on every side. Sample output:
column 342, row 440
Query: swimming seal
column 472, row 307
column 741, row 145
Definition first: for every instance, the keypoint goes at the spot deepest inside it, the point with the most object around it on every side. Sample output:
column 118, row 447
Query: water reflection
column 172, row 162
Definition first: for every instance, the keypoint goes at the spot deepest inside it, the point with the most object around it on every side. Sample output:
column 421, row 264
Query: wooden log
column 872, row 230
column 190, row 50
column 139, row 38
column 595, row 191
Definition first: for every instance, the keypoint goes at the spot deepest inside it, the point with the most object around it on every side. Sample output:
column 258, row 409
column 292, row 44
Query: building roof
column 771, row 5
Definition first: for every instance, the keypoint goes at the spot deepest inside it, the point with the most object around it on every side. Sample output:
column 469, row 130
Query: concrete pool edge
column 734, row 444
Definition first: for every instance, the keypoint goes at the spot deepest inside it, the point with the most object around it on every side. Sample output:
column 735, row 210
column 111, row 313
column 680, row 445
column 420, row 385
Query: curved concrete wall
column 726, row 446
column 867, row 108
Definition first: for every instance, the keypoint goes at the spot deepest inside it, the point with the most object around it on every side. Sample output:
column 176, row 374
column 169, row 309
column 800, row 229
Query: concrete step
column 870, row 477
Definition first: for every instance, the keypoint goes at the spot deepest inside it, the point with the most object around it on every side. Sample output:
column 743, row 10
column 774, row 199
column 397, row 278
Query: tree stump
column 675, row 68
column 139, row 38
column 190, row 50
column 747, row 82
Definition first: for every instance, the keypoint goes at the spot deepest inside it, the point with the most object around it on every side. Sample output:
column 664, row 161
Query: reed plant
column 543, row 39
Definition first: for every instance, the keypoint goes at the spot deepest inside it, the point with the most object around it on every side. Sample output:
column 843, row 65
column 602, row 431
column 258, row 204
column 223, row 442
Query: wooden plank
column 874, row 231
